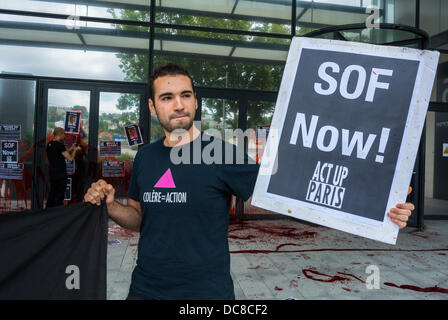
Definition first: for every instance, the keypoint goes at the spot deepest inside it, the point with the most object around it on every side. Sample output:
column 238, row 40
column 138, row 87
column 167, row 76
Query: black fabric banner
column 56, row 253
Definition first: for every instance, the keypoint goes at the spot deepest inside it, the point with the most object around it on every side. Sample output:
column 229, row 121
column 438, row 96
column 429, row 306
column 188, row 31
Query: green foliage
column 207, row 72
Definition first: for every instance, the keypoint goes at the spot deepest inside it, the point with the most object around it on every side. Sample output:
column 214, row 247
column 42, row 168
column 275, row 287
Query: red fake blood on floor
column 278, row 288
column 116, row 230
column 351, row 275
column 293, row 284
column 322, row 277
column 415, row 288
column 259, row 232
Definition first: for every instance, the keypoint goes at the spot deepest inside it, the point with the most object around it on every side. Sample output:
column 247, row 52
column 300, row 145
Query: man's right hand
column 98, row 191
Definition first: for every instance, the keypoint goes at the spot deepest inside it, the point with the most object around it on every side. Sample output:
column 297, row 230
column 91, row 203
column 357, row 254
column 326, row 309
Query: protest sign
column 9, row 151
column 72, row 122
column 68, row 190
column 113, row 169
column 11, row 132
column 133, row 135
column 345, row 134
column 11, row 171
column 71, row 166
column 110, row 148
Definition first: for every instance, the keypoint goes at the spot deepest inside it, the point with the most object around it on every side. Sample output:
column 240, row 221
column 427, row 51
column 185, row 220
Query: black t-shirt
column 183, row 251
column 58, row 166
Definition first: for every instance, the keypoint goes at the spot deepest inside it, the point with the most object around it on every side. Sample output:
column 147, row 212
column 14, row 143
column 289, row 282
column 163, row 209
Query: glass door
column 58, row 101
column 115, row 155
column 222, row 109
column 17, row 118
column 104, row 110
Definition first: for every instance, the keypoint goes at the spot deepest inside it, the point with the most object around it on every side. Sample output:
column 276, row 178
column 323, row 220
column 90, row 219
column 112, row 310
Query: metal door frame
column 243, row 97
column 95, row 88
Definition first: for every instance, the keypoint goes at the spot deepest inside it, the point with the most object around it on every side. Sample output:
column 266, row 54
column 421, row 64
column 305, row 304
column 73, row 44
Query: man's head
column 173, row 97
column 59, row 134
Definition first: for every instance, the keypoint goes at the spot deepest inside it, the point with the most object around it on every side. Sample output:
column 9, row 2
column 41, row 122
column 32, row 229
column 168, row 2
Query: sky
column 70, row 98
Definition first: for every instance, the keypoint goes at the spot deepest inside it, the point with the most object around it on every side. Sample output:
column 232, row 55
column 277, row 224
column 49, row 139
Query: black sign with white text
column 12, row 171
column 110, row 148
column 343, row 130
column 113, row 169
column 68, row 190
column 11, row 132
column 9, row 151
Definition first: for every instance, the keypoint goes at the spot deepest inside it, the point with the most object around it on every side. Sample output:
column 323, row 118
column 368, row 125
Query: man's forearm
column 126, row 216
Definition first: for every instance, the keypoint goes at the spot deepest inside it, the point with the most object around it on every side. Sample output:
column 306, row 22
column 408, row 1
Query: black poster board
column 110, row 148
column 12, row 171
column 9, row 151
column 11, row 132
column 134, row 135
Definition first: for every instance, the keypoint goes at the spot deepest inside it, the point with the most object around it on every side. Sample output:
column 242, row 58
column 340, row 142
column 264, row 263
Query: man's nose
column 178, row 104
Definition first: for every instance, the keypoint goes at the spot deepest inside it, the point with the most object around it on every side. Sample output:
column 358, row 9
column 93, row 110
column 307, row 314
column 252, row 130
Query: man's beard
column 181, row 125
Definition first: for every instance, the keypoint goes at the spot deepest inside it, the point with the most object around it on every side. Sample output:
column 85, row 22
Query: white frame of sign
column 385, row 231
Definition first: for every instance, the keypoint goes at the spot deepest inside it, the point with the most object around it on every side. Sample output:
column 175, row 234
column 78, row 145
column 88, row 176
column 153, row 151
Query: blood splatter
column 419, row 289
column 278, row 288
column 255, row 268
column 310, row 274
column 116, row 230
column 351, row 275
column 336, row 250
column 293, row 284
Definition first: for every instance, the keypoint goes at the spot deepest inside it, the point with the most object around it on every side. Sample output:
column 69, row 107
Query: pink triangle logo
column 166, row 181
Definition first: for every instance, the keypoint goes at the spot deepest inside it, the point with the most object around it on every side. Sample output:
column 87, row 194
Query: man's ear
column 152, row 109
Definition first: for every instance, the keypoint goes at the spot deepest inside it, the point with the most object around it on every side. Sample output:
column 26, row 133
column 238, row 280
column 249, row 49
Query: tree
column 207, row 72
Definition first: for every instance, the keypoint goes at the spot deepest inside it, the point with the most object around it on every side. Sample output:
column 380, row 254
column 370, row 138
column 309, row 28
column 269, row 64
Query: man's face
column 61, row 136
column 174, row 102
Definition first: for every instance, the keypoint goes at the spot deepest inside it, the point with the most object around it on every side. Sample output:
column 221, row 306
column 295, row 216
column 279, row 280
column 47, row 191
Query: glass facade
column 232, row 48
column 17, row 104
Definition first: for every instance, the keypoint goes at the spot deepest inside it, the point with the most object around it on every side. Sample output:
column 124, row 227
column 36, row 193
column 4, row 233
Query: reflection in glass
column 259, row 113
column 219, row 115
column 60, row 101
column 118, row 110
column 17, row 108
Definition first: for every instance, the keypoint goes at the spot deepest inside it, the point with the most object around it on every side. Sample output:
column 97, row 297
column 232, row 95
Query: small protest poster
column 445, row 150
column 11, row 132
column 345, row 134
column 68, row 190
column 110, row 148
column 113, row 169
column 11, row 171
column 133, row 135
column 71, row 166
column 9, row 151
column 72, row 122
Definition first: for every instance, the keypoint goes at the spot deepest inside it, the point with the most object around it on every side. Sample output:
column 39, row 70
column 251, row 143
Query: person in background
column 57, row 153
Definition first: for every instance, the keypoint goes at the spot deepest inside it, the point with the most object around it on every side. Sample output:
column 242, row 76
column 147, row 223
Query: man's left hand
column 401, row 213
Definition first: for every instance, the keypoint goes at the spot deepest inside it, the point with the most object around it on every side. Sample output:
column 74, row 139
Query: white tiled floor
column 277, row 259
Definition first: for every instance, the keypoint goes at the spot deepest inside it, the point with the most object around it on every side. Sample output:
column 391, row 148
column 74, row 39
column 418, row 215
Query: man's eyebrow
column 170, row 93
column 165, row 94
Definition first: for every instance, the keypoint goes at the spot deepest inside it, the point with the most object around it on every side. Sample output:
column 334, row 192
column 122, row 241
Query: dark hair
column 169, row 69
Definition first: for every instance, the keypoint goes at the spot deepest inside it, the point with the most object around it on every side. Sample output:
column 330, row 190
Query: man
column 57, row 153
column 182, row 211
